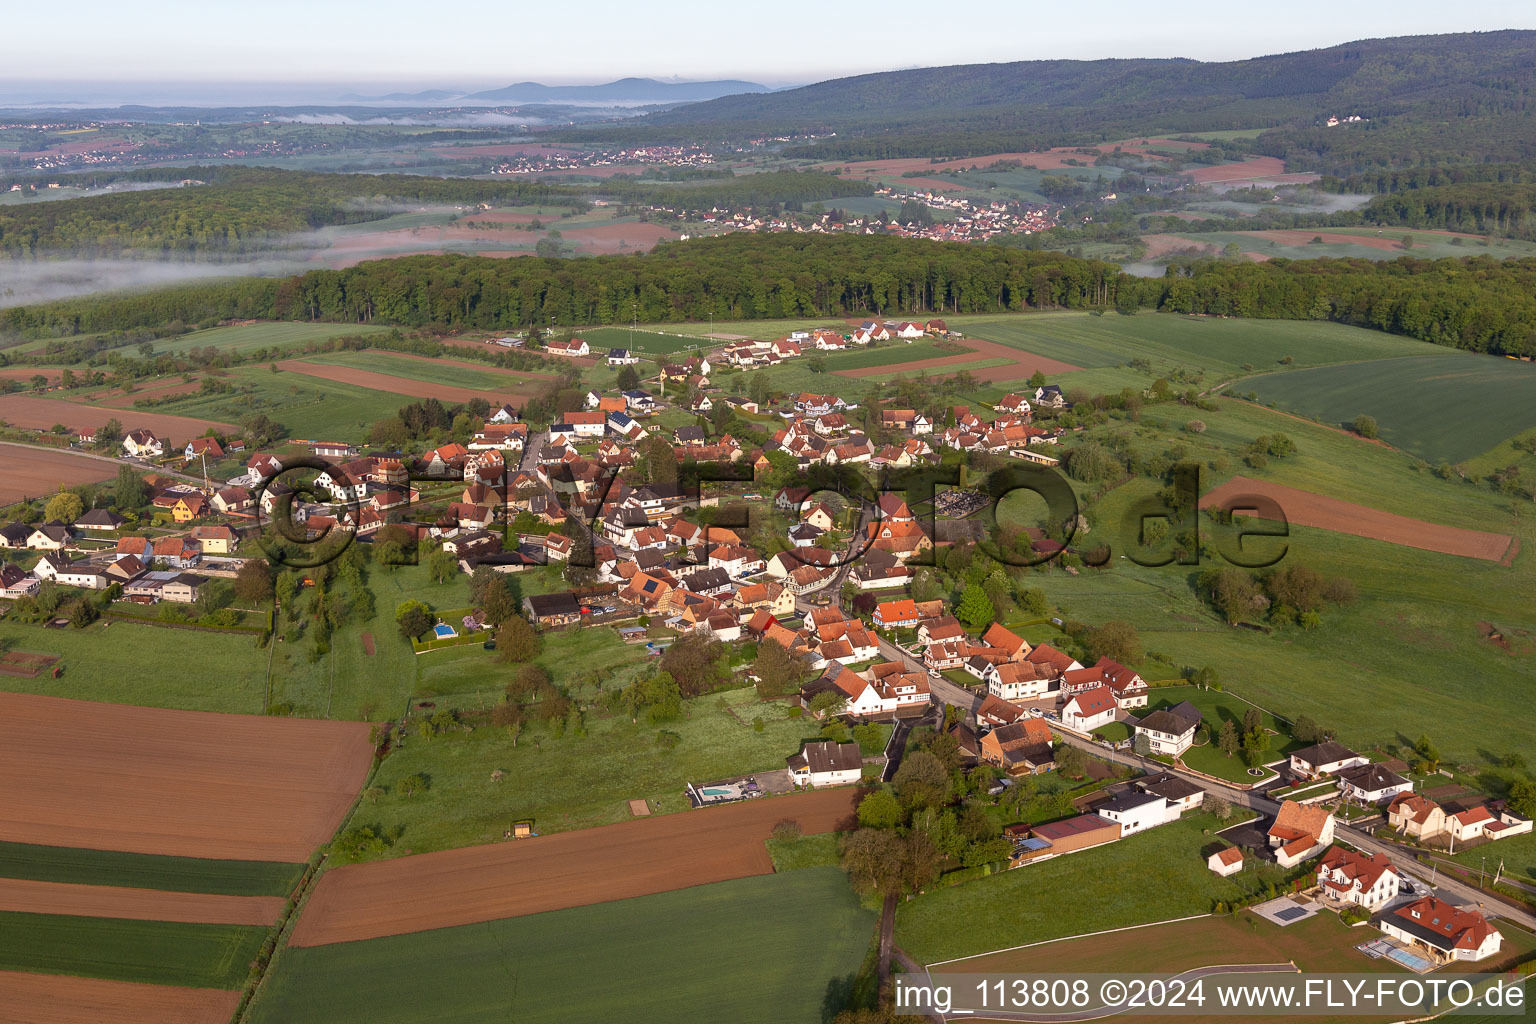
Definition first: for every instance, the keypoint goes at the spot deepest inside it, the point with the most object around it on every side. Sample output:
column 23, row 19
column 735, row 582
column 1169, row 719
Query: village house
column 1352, row 877
column 1326, row 758
column 1443, row 932
column 1416, row 816
column 50, row 536
column 1136, row 811
column 560, row 609
column 1023, row 748
column 215, row 540
column 200, row 447
column 574, row 347
column 621, row 357
column 896, row 615
column 1018, row 680
column 1300, row 832
column 143, row 444
column 100, row 520
column 826, row 763
column 1090, row 709
column 1169, row 731
column 14, row 535
column 1372, row 783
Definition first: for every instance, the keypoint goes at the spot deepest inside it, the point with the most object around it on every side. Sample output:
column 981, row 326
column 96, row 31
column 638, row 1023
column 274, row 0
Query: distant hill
column 1488, row 77
column 625, row 90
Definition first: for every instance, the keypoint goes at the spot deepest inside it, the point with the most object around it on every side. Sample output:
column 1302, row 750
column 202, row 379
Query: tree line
column 1476, row 303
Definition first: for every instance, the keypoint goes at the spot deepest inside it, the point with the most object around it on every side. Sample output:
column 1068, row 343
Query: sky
column 483, row 43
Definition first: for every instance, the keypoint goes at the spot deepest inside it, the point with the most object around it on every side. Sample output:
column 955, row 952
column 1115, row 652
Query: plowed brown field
column 1024, row 363
column 31, row 472
column 32, row 897
column 60, row 999
column 1307, row 509
column 567, row 869
column 42, row 413
column 185, row 783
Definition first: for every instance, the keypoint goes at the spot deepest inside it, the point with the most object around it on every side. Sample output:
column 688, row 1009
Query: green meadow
column 678, row 956
column 1443, row 406
column 249, row 337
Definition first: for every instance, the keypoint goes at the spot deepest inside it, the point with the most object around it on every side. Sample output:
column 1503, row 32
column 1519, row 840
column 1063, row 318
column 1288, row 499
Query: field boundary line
column 1064, row 938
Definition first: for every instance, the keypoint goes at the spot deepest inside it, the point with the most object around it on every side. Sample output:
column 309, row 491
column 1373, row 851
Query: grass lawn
column 769, row 948
column 1114, row 732
column 146, row 871
column 567, row 782
column 1319, row 943
column 1151, row 876
column 573, row 658
column 1494, row 399
column 152, row 952
column 1517, row 852
column 130, row 663
column 249, row 337
column 804, row 852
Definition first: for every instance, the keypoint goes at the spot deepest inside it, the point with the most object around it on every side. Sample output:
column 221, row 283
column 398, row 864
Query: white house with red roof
column 1090, row 709
column 568, row 347
column 1300, row 832
column 1444, row 932
column 1352, row 877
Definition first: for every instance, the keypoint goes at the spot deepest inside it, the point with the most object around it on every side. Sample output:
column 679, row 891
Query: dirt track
column 30, row 897
column 186, row 783
column 404, row 385
column 1307, row 509
column 42, row 413
column 31, row 472
column 567, row 869
column 60, row 999
column 1024, row 363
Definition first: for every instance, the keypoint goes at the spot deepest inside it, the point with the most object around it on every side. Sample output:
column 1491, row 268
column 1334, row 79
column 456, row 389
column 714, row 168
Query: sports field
column 1442, row 406
column 767, row 949
column 650, row 342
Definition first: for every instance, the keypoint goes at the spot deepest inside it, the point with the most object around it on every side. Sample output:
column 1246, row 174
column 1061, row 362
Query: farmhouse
column 1023, row 748
column 1441, row 931
column 1017, row 680
column 826, row 763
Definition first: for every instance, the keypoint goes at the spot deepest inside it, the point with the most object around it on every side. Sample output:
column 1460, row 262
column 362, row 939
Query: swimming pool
column 720, row 791
column 442, row 630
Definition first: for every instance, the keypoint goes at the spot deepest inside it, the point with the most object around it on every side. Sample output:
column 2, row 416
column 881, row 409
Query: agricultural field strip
column 402, row 385
column 42, row 413
column 1308, row 509
column 59, row 999
column 429, row 369
column 122, row 949
column 141, row 871
column 185, row 783
column 32, row 472
column 33, row 897
column 567, row 869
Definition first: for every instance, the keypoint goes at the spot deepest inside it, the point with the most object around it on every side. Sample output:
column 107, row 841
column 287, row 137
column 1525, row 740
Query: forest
column 1477, row 303
column 1477, row 207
